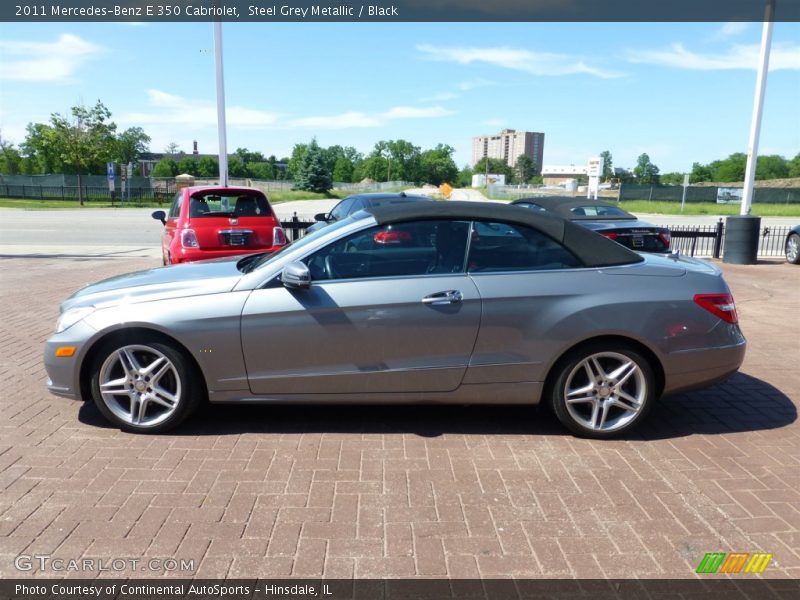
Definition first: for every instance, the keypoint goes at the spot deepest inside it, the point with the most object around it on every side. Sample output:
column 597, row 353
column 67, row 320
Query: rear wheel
column 145, row 387
column 793, row 249
column 603, row 390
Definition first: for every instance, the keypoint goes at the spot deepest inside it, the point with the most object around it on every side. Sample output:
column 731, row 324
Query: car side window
column 395, row 250
column 175, row 208
column 341, row 210
column 513, row 247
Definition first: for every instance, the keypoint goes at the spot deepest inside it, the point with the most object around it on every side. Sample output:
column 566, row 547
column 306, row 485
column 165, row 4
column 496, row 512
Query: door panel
column 364, row 336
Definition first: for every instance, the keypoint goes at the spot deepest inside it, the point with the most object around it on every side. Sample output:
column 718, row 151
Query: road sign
column 110, row 171
column 446, row 190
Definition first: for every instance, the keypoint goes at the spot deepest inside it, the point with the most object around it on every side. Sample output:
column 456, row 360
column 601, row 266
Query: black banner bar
column 395, row 10
column 708, row 587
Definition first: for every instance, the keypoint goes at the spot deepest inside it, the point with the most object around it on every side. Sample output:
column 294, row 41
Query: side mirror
column 160, row 215
column 296, row 275
column 322, row 217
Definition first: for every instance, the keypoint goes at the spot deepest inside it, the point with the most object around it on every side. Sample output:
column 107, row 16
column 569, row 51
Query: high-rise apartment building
column 509, row 145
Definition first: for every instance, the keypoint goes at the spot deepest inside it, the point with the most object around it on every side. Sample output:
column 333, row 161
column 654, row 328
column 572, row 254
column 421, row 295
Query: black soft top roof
column 563, row 205
column 591, row 248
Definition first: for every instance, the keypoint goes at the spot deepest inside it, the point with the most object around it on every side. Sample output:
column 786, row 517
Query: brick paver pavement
column 399, row 491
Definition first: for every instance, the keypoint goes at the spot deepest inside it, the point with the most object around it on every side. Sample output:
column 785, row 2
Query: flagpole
column 221, row 128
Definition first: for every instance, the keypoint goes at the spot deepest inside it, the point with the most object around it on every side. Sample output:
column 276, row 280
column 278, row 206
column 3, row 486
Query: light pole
column 221, row 128
column 741, row 232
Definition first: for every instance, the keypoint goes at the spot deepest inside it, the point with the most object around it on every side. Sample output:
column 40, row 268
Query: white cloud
column 45, row 61
column 739, row 56
column 169, row 109
column 440, row 97
column 534, row 63
column 360, row 119
column 729, row 30
column 471, row 84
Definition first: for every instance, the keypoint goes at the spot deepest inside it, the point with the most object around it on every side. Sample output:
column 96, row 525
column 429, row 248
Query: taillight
column 392, row 237
column 189, row 239
column 720, row 305
column 666, row 238
column 278, row 236
column 609, row 234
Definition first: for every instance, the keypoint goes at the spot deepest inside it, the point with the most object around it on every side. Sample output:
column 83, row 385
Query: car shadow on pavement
column 743, row 403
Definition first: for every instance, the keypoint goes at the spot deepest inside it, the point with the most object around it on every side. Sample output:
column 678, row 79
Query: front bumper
column 63, row 373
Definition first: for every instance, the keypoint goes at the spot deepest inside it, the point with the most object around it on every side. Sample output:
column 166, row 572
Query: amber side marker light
column 65, row 351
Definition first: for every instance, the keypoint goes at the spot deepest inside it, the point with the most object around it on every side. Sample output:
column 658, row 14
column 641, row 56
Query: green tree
column 794, row 166
column 464, row 177
column 403, row 161
column 343, row 170
column 313, row 174
column 208, row 166
column 645, row 171
column 700, row 173
column 524, row 168
column 85, row 141
column 10, row 158
column 673, row 178
column 436, row 166
column 497, row 166
column 730, row 169
column 772, row 167
column 166, row 167
column 236, row 167
column 172, row 148
column 188, row 165
column 294, row 162
column 261, row 170
column 130, row 144
column 40, row 150
column 608, row 165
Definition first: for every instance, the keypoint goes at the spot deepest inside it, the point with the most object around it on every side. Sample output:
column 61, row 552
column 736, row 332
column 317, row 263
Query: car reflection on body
column 357, row 202
column 457, row 302
column 606, row 219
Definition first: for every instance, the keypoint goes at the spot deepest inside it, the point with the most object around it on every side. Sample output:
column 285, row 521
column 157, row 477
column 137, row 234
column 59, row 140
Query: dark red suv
column 213, row 222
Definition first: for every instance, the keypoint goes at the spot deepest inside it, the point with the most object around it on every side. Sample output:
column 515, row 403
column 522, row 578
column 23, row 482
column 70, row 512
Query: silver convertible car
column 448, row 302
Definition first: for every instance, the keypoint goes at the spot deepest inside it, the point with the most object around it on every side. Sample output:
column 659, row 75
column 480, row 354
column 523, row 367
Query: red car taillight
column 666, row 238
column 392, row 237
column 720, row 305
column 278, row 236
column 610, row 235
column 189, row 239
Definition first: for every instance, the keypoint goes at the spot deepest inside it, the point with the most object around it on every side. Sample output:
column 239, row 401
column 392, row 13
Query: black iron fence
column 709, row 240
column 295, row 228
column 91, row 193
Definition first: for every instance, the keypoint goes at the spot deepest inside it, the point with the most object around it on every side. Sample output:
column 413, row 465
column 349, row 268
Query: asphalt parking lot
column 398, row 491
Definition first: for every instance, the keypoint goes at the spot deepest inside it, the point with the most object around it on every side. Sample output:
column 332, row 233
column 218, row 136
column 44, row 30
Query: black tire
column 179, row 379
column 598, row 413
column 792, row 249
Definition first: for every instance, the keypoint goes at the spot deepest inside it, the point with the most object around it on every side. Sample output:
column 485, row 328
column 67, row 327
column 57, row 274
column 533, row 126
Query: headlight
column 72, row 316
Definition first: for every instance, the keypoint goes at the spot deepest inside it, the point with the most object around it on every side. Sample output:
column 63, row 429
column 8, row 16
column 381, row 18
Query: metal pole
column 758, row 107
column 223, row 142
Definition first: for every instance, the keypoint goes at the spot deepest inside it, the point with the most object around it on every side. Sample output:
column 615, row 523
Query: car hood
column 188, row 279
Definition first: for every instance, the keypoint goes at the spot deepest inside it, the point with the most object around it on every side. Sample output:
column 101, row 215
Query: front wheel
column 793, row 249
column 602, row 391
column 145, row 387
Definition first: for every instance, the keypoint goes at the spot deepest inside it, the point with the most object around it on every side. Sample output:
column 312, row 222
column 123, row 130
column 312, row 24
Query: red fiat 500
column 213, row 222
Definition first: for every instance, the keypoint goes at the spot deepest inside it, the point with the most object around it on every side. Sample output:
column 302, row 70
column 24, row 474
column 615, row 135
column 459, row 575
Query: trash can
column 741, row 240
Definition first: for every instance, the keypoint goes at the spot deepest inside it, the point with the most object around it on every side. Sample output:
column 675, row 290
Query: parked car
column 470, row 303
column 353, row 204
column 606, row 219
column 792, row 246
column 214, row 222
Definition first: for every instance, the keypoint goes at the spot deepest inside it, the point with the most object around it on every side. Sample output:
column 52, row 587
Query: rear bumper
column 694, row 369
column 194, row 254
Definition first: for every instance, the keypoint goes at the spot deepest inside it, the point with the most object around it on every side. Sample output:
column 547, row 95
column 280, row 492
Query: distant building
column 509, row 145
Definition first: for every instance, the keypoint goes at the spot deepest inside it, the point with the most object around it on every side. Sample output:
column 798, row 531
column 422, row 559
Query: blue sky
column 682, row 92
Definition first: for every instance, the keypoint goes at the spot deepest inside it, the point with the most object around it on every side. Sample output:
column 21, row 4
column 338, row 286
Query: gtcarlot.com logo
column 45, row 563
column 736, row 562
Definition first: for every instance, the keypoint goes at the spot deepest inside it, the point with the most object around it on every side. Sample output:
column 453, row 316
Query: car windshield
column 228, row 205
column 251, row 263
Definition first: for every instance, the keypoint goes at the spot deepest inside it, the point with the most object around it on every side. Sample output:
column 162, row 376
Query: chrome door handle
column 439, row 298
